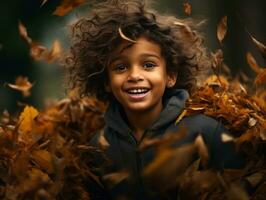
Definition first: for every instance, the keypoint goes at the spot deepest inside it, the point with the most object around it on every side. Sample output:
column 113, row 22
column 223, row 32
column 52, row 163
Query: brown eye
column 149, row 65
column 120, row 67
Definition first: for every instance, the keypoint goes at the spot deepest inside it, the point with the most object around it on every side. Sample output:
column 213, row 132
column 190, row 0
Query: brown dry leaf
column 39, row 52
column 252, row 63
column 222, row 28
column 260, row 46
column 23, row 33
column 43, row 2
column 115, row 178
column 22, row 84
column 260, row 78
column 187, row 8
column 55, row 51
column 123, row 36
column 67, row 6
column 247, row 136
column 217, row 58
column 20, row 164
column 44, row 159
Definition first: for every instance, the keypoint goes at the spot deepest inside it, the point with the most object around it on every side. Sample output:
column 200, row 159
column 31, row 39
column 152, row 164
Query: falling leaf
column 217, row 58
column 55, row 51
column 260, row 78
column 23, row 33
column 22, row 84
column 38, row 51
column 252, row 63
column 43, row 2
column 180, row 117
column 67, row 6
column 187, row 8
column 122, row 35
column 260, row 46
column 222, row 28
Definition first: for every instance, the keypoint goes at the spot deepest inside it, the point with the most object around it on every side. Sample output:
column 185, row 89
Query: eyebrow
column 144, row 55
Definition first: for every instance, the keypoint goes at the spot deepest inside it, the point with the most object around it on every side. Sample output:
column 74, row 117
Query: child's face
column 137, row 75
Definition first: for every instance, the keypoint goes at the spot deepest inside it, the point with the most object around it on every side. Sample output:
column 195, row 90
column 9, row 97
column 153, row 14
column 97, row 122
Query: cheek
column 115, row 82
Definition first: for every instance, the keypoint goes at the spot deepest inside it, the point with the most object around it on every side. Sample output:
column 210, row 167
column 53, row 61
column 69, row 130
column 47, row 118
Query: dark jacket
column 123, row 149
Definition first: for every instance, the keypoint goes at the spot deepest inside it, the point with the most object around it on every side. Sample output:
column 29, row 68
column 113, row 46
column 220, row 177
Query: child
column 144, row 65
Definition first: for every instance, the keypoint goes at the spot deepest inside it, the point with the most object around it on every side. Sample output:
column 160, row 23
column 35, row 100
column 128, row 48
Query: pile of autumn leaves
column 45, row 155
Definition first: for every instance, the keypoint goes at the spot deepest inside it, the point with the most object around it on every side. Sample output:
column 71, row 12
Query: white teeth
column 137, row 91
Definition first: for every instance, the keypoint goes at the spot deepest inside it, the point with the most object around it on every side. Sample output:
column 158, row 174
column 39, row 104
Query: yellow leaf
column 26, row 119
column 180, row 117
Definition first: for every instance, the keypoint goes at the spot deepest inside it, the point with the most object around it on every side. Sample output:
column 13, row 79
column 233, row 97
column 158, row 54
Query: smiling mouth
column 139, row 91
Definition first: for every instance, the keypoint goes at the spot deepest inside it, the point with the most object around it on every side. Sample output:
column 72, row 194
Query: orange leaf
column 67, row 6
column 26, row 123
column 222, row 29
column 187, row 8
column 252, row 63
column 22, row 84
column 260, row 78
column 44, row 159
column 54, row 52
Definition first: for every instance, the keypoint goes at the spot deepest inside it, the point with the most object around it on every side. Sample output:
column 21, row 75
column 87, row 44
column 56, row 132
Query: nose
column 135, row 74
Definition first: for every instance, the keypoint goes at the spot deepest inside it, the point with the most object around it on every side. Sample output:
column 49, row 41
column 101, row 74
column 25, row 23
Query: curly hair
column 95, row 36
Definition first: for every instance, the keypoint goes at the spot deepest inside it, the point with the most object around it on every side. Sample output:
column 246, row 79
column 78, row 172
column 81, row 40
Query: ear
column 171, row 80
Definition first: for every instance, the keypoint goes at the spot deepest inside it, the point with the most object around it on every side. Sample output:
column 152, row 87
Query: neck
column 140, row 121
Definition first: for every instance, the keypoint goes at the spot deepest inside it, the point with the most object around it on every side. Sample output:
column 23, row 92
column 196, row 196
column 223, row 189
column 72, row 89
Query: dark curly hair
column 95, row 36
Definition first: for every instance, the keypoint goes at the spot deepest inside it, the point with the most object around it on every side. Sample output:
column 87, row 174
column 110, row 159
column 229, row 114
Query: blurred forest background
column 44, row 27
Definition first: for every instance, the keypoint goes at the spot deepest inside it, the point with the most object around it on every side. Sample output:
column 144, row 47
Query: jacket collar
column 174, row 102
